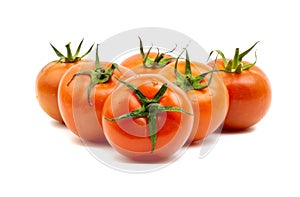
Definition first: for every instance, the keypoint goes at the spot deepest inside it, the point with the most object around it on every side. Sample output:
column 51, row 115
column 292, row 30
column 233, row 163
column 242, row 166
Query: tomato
column 206, row 92
column 48, row 79
column 81, row 95
column 149, row 63
column 147, row 118
column 249, row 91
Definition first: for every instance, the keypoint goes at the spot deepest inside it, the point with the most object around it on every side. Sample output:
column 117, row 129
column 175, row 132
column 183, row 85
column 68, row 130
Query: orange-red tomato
column 81, row 111
column 48, row 79
column 47, row 83
column 248, row 87
column 210, row 104
column 132, row 136
column 249, row 96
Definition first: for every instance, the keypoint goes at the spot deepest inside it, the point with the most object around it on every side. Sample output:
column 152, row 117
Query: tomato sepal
column 98, row 76
column 236, row 65
column 158, row 61
column 70, row 58
column 149, row 109
column 187, row 81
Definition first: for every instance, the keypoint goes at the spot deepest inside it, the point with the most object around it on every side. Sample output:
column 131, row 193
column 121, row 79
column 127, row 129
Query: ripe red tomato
column 249, row 91
column 81, row 95
column 149, row 63
column 205, row 90
column 146, row 118
column 48, row 78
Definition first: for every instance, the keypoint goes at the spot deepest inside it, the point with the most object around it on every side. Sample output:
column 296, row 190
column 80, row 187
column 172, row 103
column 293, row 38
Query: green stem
column 235, row 61
column 69, row 53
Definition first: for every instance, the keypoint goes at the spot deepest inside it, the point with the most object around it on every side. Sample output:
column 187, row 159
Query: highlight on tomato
column 47, row 81
column 248, row 87
column 149, row 62
column 81, row 95
column 147, row 118
column 205, row 90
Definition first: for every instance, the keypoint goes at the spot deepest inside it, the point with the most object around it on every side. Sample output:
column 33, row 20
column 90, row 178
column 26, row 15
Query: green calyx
column 98, row 76
column 236, row 65
column 187, row 81
column 158, row 61
column 70, row 57
column 149, row 109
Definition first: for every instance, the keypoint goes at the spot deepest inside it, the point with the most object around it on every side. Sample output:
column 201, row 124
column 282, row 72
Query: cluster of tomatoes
column 151, row 104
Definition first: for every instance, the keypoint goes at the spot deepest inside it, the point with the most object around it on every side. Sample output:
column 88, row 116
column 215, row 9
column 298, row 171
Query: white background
column 41, row 158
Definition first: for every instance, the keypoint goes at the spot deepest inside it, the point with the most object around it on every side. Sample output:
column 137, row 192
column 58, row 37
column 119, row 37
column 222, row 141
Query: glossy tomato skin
column 210, row 105
column 135, row 63
column 47, row 82
column 130, row 137
column 79, row 116
column 249, row 96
